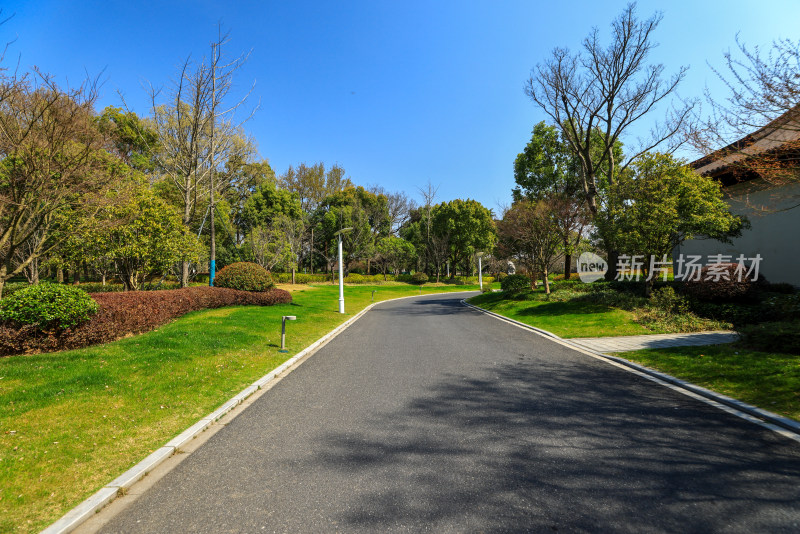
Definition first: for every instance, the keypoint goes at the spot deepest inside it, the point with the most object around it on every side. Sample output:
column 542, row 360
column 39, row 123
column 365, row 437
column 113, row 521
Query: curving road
column 426, row 416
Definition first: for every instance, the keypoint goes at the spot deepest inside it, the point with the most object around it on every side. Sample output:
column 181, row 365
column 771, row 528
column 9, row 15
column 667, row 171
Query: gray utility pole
column 212, row 264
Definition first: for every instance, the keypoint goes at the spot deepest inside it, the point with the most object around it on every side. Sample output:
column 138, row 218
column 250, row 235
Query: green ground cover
column 565, row 318
column 768, row 380
column 71, row 421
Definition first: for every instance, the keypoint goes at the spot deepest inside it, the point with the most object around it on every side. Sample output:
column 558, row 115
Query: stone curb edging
column 763, row 415
column 78, row 515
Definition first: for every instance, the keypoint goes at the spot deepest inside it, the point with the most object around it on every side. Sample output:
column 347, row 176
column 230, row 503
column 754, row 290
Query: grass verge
column 765, row 379
column 564, row 318
column 71, row 421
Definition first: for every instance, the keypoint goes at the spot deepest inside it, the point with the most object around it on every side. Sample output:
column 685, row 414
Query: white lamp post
column 480, row 269
column 341, row 270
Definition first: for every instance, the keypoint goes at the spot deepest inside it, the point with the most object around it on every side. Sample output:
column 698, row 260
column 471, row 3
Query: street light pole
column 341, row 270
column 480, row 269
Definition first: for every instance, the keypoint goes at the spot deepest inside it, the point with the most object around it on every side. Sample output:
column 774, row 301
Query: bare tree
column 51, row 162
column 313, row 183
column 400, row 206
column 529, row 232
column 597, row 94
column 755, row 128
column 197, row 132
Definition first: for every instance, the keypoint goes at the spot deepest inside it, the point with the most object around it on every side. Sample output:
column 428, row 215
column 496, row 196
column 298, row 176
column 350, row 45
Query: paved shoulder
column 654, row 341
column 428, row 416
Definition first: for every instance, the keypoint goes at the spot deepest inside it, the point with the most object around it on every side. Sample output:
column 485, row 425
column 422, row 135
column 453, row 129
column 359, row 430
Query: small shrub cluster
column 48, row 306
column 670, row 311
column 725, row 288
column 515, row 283
column 499, row 276
column 131, row 312
column 779, row 336
column 300, row 278
column 614, row 299
column 244, row 276
column 419, row 278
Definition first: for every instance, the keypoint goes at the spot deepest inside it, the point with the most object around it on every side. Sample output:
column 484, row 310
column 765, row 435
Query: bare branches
column 52, row 161
column 604, row 90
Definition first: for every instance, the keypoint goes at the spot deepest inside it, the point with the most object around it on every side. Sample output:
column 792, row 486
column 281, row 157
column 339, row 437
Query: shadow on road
column 537, row 447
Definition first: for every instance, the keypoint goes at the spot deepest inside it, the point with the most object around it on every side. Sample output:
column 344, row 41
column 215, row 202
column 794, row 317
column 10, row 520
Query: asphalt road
column 426, row 416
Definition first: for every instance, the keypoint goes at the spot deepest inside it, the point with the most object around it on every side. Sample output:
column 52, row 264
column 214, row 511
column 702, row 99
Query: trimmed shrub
column 782, row 336
column 244, row 276
column 665, row 299
column 48, row 305
column 132, row 312
column 355, row 278
column 419, row 278
column 723, row 288
column 515, row 283
column 500, row 276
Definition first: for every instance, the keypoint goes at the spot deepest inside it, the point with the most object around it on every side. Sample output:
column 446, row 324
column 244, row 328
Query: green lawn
column 71, row 421
column 565, row 319
column 768, row 380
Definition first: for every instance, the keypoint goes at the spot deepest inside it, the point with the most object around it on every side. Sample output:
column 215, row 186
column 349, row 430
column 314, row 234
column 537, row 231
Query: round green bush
column 244, row 276
column 515, row 283
column 48, row 305
column 419, row 278
column 500, row 276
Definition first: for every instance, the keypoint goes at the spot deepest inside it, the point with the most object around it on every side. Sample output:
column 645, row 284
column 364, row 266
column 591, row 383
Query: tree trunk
column 292, row 275
column 76, row 277
column 85, row 272
column 3, row 271
column 104, row 278
column 187, row 218
column 613, row 258
column 546, row 282
column 567, row 266
column 60, row 275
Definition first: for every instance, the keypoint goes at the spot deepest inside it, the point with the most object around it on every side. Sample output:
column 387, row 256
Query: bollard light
column 283, row 330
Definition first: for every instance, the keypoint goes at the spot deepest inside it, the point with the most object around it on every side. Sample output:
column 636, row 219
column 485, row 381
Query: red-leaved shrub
column 720, row 283
column 132, row 312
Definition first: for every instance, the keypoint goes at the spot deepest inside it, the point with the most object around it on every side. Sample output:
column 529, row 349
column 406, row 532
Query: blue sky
column 399, row 93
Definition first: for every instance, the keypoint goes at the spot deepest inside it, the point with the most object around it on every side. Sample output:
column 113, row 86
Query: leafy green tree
column 548, row 169
column 267, row 202
column 395, row 254
column 547, row 165
column 145, row 238
column 276, row 242
column 466, row 226
column 355, row 207
column 132, row 139
column 661, row 203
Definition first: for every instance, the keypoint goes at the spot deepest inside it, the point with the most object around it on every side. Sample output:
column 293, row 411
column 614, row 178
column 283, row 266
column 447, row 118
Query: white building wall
column 774, row 214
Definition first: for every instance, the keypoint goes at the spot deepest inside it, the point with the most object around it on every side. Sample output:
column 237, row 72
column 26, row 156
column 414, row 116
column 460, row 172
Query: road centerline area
column 425, row 415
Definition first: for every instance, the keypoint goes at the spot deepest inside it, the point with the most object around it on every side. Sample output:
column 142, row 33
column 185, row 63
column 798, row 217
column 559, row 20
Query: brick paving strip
column 654, row 341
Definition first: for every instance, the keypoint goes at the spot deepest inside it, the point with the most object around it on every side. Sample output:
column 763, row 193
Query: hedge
column 132, row 312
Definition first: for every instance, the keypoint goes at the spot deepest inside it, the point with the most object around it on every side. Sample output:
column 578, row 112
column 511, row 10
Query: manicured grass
column 71, row 421
column 768, row 380
column 565, row 319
